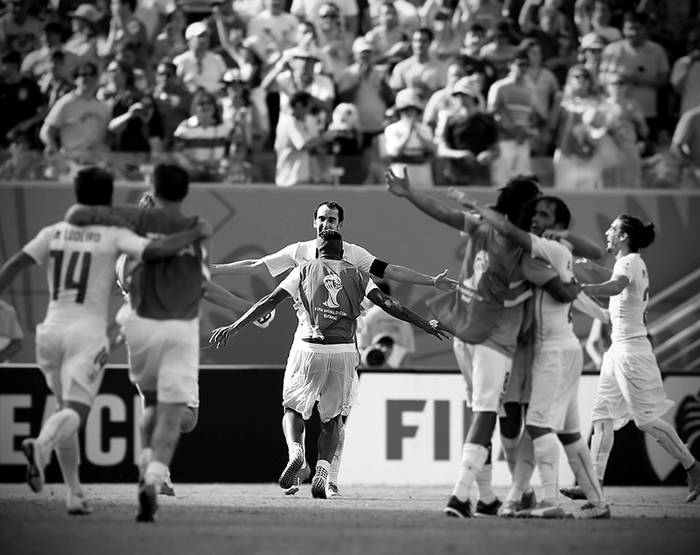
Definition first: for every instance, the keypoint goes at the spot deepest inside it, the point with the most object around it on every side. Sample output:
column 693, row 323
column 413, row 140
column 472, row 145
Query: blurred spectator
column 240, row 115
column 565, row 56
column 499, row 51
column 578, row 162
column 83, row 41
column 545, row 87
column 685, row 146
column 443, row 100
column 474, row 40
column 202, row 140
column 272, row 31
column 198, row 66
column 76, row 126
column 23, row 106
column 10, row 332
column 421, row 71
column 409, row 142
column 171, row 41
column 25, row 162
column 126, row 28
column 118, row 80
column 172, row 101
column 485, row 13
column 333, row 40
column 448, row 37
column 685, row 76
column 153, row 14
column 548, row 16
column 226, row 22
column 364, row 85
column 136, row 125
column 467, row 141
column 512, row 102
column 298, row 137
column 53, row 84
column 126, row 56
column 593, row 16
column 38, row 62
column 388, row 39
column 345, row 144
column 643, row 64
column 310, row 10
column 393, row 338
column 19, row 30
column 406, row 10
column 591, row 51
column 624, row 122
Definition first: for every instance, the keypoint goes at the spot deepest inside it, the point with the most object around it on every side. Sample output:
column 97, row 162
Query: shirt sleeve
column 129, row 243
column 536, row 270
column 624, row 267
column 281, row 260
column 370, row 286
column 553, row 253
column 357, row 256
column 38, row 248
column 292, row 282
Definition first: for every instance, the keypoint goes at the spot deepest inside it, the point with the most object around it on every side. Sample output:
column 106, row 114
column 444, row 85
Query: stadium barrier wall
column 405, row 428
column 251, row 221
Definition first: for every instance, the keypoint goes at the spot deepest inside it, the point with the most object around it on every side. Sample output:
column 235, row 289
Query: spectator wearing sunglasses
column 310, row 10
column 172, row 101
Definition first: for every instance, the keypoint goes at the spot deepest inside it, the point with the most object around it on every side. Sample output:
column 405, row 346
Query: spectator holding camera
column 136, row 125
column 685, row 75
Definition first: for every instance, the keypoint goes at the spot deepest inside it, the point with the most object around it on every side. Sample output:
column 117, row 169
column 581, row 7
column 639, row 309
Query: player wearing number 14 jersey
column 71, row 342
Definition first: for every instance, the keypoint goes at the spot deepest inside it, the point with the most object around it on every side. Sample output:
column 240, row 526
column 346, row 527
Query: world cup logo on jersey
column 334, row 286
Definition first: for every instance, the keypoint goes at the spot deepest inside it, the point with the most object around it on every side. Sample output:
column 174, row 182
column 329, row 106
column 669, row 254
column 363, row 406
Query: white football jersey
column 553, row 322
column 628, row 309
column 296, row 254
column 80, row 268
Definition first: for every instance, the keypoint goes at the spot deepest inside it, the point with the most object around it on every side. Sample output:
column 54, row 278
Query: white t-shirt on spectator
column 293, row 162
column 81, row 123
column 207, row 73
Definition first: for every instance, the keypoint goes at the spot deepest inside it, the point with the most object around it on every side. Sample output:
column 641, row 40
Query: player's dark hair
column 93, row 186
column 562, row 214
column 640, row 235
column 330, row 242
column 332, row 205
column 170, row 182
column 513, row 198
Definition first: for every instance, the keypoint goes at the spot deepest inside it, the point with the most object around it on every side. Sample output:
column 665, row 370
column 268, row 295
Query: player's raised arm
column 408, row 275
column 401, row 187
column 248, row 267
column 580, row 245
column 264, row 306
column 392, row 306
column 614, row 286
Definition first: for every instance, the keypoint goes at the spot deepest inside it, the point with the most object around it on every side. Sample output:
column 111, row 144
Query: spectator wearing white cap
column 83, row 41
column 272, row 31
column 421, row 71
column 364, row 84
column 467, row 139
column 409, row 142
column 199, row 67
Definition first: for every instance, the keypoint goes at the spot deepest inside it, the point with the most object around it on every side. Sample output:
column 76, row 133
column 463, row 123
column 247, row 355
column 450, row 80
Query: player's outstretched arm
column 215, row 294
column 401, row 187
column 580, row 245
column 392, row 306
column 499, row 222
column 239, row 268
column 119, row 216
column 170, row 245
column 408, row 275
column 587, row 271
column 610, row 288
column 267, row 304
column 14, row 266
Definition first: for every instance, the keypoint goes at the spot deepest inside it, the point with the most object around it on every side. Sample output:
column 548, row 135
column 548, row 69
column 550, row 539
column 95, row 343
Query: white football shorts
column 486, row 374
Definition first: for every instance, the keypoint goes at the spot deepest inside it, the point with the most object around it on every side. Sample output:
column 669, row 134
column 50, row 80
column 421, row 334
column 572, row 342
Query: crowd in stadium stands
column 315, row 91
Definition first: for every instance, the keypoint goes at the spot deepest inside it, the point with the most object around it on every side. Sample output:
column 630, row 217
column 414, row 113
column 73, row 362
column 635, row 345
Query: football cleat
column 510, row 508
column 35, row 466
column 574, row 492
column 591, row 511
column 332, row 491
column 458, row 509
column 488, row 509
column 148, row 503
column 76, row 504
column 299, row 479
column 319, row 484
column 528, row 500
column 290, row 471
column 544, row 509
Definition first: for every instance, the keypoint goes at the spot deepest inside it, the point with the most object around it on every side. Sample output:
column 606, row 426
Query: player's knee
column 511, row 424
column 189, row 420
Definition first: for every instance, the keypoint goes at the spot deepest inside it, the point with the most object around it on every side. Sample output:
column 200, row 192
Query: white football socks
column 581, row 464
column 546, row 455
column 156, row 473
column 601, row 446
column 68, row 454
column 524, row 468
column 483, row 484
column 473, row 460
column 57, row 429
column 668, row 438
column 335, row 462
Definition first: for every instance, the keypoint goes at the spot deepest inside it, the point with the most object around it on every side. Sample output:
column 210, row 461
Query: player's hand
column 264, row 321
column 461, row 197
column 220, row 336
column 397, row 185
column 444, row 283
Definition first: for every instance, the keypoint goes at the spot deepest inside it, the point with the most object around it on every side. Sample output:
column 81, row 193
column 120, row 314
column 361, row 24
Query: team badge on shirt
column 334, row 286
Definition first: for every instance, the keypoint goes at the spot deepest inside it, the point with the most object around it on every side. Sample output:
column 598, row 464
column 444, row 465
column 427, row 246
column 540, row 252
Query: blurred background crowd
column 591, row 94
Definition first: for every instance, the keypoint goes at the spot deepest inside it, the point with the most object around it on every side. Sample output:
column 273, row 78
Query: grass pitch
column 258, row 518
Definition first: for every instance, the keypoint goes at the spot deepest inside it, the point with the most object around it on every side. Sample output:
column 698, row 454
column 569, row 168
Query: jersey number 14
column 77, row 259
